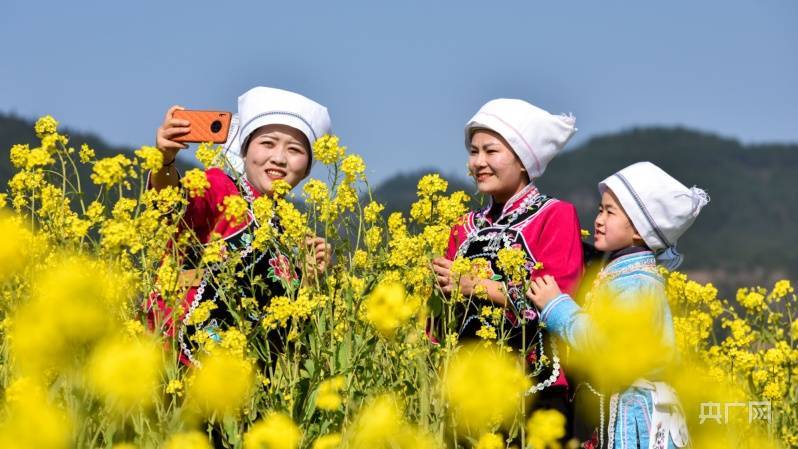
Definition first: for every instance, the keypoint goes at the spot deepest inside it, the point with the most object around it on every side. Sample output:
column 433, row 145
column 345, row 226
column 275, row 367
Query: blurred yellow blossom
column 381, row 424
column 490, row 441
column 32, row 421
column 126, row 371
column 388, row 307
column 188, row 440
column 496, row 375
column 329, row 441
column 545, row 428
column 328, row 397
column 221, row 384
column 275, row 431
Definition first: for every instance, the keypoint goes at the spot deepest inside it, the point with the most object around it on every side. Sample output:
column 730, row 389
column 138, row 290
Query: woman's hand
column 169, row 129
column 443, row 275
column 318, row 256
column 542, row 290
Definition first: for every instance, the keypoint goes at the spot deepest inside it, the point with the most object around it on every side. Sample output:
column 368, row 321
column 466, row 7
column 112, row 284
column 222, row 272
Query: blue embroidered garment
column 646, row 403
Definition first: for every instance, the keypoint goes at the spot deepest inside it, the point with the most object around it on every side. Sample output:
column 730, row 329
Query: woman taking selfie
column 509, row 143
column 276, row 137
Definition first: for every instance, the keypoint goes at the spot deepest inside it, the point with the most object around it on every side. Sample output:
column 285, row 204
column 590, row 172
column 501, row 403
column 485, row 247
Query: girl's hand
column 169, row 129
column 542, row 290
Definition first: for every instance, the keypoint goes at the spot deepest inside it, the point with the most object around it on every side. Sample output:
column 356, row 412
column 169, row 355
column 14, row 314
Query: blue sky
column 401, row 78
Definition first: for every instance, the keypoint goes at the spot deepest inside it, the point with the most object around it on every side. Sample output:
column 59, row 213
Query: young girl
column 276, row 134
column 510, row 143
column 642, row 214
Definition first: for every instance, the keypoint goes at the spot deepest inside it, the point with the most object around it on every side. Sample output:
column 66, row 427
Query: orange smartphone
column 206, row 126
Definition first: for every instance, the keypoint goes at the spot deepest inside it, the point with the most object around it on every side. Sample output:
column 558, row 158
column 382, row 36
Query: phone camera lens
column 216, row 126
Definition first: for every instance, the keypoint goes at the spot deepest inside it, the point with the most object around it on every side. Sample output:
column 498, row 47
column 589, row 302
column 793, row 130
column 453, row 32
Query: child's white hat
column 533, row 134
column 262, row 106
column 660, row 207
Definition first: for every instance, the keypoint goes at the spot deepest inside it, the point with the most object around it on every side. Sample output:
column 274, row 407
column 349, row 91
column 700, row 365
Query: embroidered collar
column 637, row 261
column 250, row 192
column 513, row 207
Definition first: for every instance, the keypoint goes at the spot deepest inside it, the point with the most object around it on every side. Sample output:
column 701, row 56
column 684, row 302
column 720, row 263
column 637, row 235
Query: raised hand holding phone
column 170, row 129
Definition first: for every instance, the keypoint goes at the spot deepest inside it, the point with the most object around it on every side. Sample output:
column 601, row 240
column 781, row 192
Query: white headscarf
column 660, row 207
column 533, row 134
column 262, row 106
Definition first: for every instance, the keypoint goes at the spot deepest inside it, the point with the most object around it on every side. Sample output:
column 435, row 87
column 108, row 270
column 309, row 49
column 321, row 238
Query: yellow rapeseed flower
column 371, row 213
column 18, row 154
column 87, row 295
column 328, row 397
column 431, row 184
column 126, row 371
column 234, row 341
column 327, row 150
column 373, row 237
column 545, row 428
column 452, row 208
column 208, row 154
column 388, row 307
column 221, row 384
column 345, row 198
column 316, row 191
column 359, row 258
column 487, row 332
column 45, row 125
column 781, row 290
column 512, row 262
column 195, row 182
column 111, row 170
column 175, row 387
column 151, row 158
column 496, row 375
column 381, row 424
column 15, row 252
column 188, row 440
column 329, row 441
column 86, row 153
column 294, row 224
column 353, row 167
column 235, row 209
column 32, row 421
column 280, row 188
column 275, row 431
column 751, row 299
column 490, row 441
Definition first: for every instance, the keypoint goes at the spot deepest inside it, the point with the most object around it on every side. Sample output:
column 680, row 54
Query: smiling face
column 613, row 229
column 276, row 152
column 495, row 166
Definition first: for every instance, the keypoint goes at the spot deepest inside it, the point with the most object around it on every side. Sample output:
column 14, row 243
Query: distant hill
column 745, row 236
column 18, row 130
